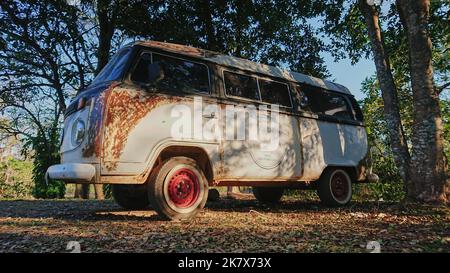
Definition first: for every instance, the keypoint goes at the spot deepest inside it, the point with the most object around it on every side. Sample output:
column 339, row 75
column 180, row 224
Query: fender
column 211, row 149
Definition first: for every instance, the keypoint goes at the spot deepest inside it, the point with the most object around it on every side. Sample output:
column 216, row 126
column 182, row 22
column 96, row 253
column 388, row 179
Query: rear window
column 323, row 102
column 274, row 92
column 336, row 105
column 240, row 85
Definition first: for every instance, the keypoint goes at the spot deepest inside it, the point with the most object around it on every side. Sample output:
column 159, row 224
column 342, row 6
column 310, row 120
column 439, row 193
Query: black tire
column 335, row 187
column 132, row 197
column 178, row 189
column 268, row 195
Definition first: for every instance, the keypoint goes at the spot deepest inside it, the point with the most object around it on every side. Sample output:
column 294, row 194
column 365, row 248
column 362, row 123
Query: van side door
column 258, row 103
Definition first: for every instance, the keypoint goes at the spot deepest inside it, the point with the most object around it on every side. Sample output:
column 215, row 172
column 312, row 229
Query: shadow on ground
column 108, row 209
column 224, row 226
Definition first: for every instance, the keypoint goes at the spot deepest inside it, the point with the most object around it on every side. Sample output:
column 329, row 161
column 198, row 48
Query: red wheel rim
column 339, row 186
column 184, row 188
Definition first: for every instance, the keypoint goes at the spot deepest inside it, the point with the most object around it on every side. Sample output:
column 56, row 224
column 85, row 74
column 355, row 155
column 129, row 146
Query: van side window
column 274, row 92
column 240, row 85
column 176, row 74
column 310, row 99
column 327, row 103
column 182, row 74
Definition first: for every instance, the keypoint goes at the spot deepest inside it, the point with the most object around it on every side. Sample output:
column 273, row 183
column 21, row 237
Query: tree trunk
column 389, row 93
column 428, row 170
column 106, row 32
column 204, row 10
column 240, row 20
column 81, row 191
column 99, row 195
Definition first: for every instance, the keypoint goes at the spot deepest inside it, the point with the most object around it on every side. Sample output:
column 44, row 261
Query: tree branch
column 441, row 88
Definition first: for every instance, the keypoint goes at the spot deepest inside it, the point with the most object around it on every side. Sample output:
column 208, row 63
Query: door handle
column 211, row 115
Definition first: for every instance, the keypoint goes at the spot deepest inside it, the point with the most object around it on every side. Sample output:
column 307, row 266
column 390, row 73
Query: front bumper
column 75, row 172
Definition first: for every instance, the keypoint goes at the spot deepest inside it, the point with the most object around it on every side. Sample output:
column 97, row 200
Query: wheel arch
column 195, row 152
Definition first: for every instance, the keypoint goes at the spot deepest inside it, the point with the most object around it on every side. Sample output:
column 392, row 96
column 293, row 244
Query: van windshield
column 114, row 69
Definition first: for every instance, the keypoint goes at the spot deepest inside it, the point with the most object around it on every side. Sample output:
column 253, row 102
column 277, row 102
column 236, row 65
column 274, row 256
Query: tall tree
column 42, row 63
column 389, row 44
column 428, row 168
column 389, row 92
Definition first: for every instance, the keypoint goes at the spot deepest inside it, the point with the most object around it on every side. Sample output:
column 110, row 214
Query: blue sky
column 351, row 76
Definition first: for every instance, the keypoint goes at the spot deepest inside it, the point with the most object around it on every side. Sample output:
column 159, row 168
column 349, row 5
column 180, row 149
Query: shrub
column 15, row 178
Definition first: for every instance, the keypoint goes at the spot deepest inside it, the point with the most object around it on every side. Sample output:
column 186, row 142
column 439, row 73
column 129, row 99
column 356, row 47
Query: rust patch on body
column 93, row 146
column 125, row 108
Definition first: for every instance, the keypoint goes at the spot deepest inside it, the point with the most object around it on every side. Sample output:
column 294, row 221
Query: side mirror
column 155, row 73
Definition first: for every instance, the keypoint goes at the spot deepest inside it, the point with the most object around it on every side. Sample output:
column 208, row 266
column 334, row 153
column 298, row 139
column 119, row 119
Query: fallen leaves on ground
column 223, row 226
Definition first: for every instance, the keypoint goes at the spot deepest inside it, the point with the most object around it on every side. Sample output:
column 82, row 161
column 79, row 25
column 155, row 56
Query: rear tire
column 268, row 195
column 178, row 189
column 132, row 197
column 335, row 187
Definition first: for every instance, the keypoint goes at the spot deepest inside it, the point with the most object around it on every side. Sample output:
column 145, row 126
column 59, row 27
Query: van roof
column 244, row 64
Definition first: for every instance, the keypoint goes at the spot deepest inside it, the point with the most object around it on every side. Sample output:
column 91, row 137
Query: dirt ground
column 224, row 226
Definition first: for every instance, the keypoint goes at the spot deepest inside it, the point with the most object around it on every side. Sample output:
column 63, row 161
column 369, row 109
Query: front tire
column 335, row 187
column 178, row 189
column 268, row 195
column 132, row 197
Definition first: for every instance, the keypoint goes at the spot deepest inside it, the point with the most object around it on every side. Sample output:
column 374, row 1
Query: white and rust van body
column 118, row 131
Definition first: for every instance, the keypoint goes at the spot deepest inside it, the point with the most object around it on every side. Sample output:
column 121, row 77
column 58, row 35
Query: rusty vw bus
column 120, row 131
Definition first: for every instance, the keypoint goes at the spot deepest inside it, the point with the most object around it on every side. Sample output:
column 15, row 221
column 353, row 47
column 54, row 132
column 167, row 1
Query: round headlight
column 78, row 132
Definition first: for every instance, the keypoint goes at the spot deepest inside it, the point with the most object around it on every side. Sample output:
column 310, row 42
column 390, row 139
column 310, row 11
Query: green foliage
column 272, row 32
column 44, row 59
column 346, row 29
column 390, row 187
column 303, row 195
column 15, row 178
column 385, row 191
column 396, row 45
column 45, row 155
